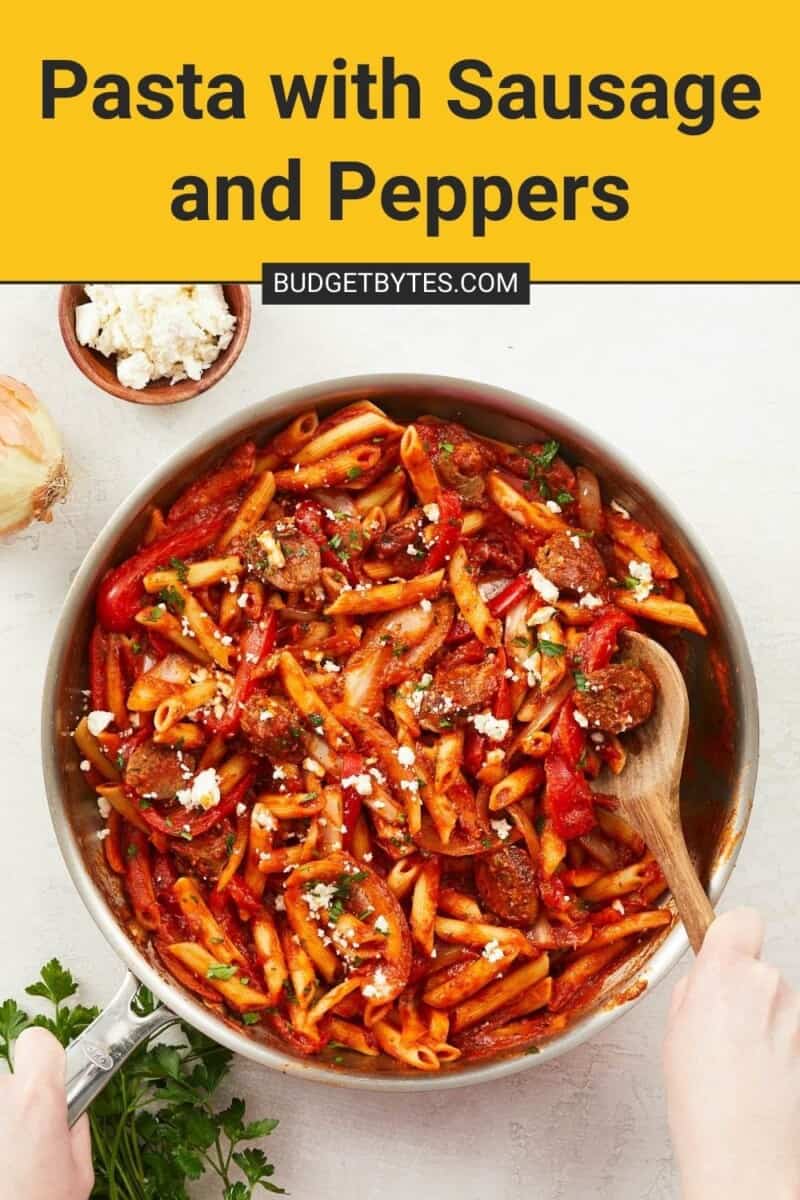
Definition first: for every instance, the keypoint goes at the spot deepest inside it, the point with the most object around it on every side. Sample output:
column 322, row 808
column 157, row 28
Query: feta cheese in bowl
column 154, row 343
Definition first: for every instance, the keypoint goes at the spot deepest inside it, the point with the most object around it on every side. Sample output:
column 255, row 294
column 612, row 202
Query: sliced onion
column 590, row 502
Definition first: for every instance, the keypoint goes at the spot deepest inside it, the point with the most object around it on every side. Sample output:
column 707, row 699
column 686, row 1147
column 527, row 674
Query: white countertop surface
column 701, row 386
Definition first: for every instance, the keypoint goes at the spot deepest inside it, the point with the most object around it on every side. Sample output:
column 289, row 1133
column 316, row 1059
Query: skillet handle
column 104, row 1045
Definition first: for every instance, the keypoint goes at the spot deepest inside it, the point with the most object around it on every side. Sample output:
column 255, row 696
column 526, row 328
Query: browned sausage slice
column 278, row 554
column 506, row 884
column 157, row 772
column 272, row 728
column 616, row 698
column 205, row 855
column 572, row 562
column 456, row 692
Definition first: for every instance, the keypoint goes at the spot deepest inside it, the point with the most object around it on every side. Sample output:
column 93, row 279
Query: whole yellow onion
column 33, row 474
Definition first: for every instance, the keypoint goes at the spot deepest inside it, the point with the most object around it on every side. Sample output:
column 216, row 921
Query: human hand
column 732, row 1066
column 40, row 1157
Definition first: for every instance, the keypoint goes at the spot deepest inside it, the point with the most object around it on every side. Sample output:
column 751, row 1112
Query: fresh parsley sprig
column 155, row 1129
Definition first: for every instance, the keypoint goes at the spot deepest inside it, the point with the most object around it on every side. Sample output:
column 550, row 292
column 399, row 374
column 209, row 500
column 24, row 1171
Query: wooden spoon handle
column 691, row 901
column 664, row 836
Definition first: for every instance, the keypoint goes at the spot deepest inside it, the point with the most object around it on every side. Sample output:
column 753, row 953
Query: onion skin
column 33, row 473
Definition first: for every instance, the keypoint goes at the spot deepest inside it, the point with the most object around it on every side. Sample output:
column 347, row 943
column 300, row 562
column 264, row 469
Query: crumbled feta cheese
column 502, row 828
column 204, row 792
column 271, row 548
column 533, row 665
column 85, row 764
column 405, row 756
column 381, row 924
column 311, row 764
column 156, row 330
column 553, row 506
column 102, row 834
column 98, row 720
column 425, row 604
column 590, row 601
column 576, row 541
column 361, row 783
column 243, row 600
column 319, row 895
column 541, row 615
column 409, row 785
column 265, row 715
column 278, row 773
column 644, row 573
column 492, row 951
column 580, row 719
column 431, row 512
column 367, row 857
column 103, row 807
column 241, row 809
column 617, row 508
column 618, row 906
column 374, row 990
column 495, row 728
column 331, row 667
column 280, row 903
column 264, row 819
column 598, row 738
column 377, row 774
column 546, row 589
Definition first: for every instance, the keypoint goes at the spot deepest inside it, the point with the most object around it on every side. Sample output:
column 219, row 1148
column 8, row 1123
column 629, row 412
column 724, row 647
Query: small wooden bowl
column 102, row 371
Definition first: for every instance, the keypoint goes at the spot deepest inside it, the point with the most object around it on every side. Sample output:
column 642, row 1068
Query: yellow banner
column 596, row 142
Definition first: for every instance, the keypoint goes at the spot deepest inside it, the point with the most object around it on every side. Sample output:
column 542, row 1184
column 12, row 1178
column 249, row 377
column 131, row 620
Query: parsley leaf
column 13, row 1020
column 580, row 681
column 180, row 568
column 221, row 971
column 354, row 472
column 54, row 983
column 550, row 649
column 172, row 598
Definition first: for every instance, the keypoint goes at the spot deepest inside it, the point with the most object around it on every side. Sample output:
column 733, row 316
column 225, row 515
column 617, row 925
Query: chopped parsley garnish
column 172, row 598
column 119, row 762
column 335, row 542
column 546, row 455
column 632, row 583
column 251, row 1018
column 354, row 473
column 229, row 844
column 550, row 649
column 132, row 850
column 544, row 490
column 137, row 647
column 448, row 447
column 155, row 614
column 180, row 568
column 522, row 641
column 564, row 498
column 316, row 720
column 399, row 648
column 344, row 886
column 532, row 1050
column 221, row 971
column 580, row 681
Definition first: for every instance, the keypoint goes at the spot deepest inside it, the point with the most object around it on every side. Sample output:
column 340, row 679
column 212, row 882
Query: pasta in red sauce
column 347, row 701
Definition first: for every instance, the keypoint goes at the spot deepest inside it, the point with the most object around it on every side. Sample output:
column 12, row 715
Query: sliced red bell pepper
column 119, row 596
column 212, row 488
column 190, row 827
column 568, row 799
column 599, row 643
column 255, row 644
column 352, row 764
column 139, row 878
column 244, row 897
column 474, row 747
column 501, row 708
column 511, row 594
column 309, row 519
column 569, row 740
column 98, row 650
column 446, row 534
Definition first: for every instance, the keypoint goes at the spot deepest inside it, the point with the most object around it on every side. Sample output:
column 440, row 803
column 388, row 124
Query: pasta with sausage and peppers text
column 347, row 699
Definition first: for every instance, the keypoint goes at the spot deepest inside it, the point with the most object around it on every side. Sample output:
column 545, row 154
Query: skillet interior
column 719, row 774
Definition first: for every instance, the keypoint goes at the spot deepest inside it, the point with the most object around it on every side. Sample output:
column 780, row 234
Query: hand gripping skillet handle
column 102, row 1048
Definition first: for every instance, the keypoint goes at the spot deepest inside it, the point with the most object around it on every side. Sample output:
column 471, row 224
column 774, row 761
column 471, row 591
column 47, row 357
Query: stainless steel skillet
column 718, row 784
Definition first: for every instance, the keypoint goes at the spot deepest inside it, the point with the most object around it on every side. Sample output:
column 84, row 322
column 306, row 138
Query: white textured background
column 700, row 385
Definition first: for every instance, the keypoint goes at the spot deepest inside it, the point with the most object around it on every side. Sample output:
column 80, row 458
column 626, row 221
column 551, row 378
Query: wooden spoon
column 648, row 790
